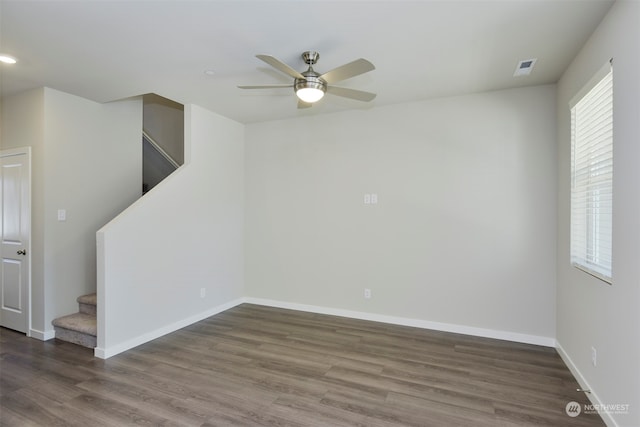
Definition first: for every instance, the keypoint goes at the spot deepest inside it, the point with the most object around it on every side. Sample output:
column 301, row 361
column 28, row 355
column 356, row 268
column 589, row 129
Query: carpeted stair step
column 87, row 303
column 78, row 328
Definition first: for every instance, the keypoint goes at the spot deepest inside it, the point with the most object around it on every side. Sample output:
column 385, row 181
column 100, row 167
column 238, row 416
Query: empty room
column 320, row 213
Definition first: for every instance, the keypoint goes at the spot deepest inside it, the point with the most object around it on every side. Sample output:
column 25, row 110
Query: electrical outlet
column 367, row 293
column 594, row 356
column 203, row 292
column 367, row 199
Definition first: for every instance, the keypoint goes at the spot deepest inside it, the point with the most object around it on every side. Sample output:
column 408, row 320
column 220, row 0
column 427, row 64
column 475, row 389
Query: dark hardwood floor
column 254, row 365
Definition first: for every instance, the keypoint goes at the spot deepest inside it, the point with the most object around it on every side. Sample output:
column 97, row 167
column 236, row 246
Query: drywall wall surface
column 22, row 119
column 176, row 255
column 592, row 313
column 23, row 126
column 93, row 164
column 463, row 231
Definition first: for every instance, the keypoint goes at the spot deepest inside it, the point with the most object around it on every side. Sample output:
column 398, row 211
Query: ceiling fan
column 311, row 86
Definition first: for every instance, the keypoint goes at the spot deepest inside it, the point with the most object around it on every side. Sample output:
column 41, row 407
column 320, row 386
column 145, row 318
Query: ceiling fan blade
column 359, row 95
column 346, row 71
column 264, row 86
column 279, row 65
column 302, row 104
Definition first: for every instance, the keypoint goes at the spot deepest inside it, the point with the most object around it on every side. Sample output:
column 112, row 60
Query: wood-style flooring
column 260, row 366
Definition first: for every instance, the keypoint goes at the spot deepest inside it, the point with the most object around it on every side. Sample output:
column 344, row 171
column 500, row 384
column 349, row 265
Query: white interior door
column 15, row 232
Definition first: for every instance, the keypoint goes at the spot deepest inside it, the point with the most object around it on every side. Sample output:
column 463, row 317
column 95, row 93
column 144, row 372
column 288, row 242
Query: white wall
column 23, row 126
column 75, row 144
column 591, row 312
column 464, row 230
column 184, row 235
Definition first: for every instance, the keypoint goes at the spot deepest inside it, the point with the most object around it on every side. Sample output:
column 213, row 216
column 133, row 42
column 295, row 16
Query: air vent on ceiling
column 524, row 67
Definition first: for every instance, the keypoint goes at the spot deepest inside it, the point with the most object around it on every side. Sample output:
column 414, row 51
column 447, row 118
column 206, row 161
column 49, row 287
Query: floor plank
column 257, row 366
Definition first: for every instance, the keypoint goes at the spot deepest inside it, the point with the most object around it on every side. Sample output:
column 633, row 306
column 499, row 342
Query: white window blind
column 592, row 176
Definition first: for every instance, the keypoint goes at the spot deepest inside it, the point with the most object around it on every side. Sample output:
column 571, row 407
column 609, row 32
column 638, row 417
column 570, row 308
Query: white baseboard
column 42, row 336
column 417, row 323
column 105, row 353
column 593, row 396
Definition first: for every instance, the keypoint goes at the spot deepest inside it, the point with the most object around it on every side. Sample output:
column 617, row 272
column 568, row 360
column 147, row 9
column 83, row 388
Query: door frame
column 16, row 152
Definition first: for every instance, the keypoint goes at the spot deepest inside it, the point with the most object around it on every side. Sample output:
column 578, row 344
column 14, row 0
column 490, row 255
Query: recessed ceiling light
column 209, row 72
column 524, row 67
column 7, row 59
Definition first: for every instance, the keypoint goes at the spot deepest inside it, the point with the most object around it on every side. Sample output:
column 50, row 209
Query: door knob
column 22, row 252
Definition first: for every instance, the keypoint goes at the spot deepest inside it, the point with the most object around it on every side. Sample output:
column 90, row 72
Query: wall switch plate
column 203, row 292
column 62, row 214
column 367, row 293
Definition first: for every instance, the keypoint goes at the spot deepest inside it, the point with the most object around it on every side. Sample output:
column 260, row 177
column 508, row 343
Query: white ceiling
column 110, row 50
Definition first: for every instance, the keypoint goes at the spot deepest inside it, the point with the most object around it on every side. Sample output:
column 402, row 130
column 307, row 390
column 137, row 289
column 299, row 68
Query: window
column 592, row 176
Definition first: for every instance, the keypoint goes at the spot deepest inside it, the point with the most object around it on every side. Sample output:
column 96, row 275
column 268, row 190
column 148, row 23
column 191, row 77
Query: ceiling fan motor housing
column 311, row 80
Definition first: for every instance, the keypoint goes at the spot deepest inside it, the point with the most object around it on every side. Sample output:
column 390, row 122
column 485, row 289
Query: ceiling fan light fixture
column 309, row 94
column 310, row 89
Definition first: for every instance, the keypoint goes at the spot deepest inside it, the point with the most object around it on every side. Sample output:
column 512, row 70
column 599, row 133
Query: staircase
column 79, row 328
